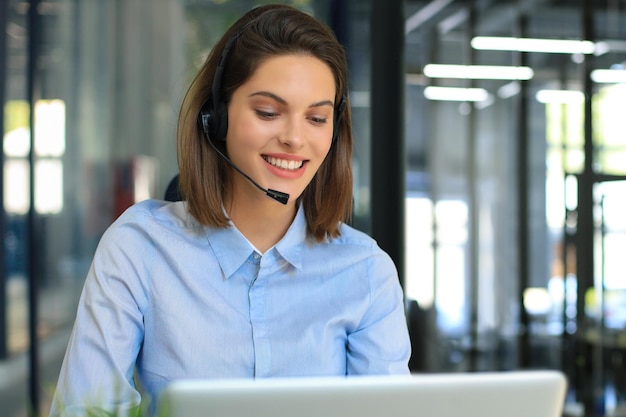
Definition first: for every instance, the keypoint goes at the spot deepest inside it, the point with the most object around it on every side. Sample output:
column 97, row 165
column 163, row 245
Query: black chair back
column 172, row 193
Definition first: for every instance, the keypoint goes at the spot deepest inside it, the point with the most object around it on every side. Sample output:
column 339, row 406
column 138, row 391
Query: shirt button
column 256, row 256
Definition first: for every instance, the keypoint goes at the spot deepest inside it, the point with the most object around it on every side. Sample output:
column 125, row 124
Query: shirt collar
column 232, row 249
column 291, row 246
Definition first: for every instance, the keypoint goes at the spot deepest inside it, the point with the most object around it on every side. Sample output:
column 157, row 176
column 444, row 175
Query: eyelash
column 267, row 115
column 318, row 120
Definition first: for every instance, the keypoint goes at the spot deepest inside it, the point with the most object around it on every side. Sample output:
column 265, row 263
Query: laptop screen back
column 497, row 394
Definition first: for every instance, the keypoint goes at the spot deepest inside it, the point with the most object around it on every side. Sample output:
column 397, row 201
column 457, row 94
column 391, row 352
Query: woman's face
column 280, row 124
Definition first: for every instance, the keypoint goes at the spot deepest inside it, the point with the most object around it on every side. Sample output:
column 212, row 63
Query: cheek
column 323, row 147
column 245, row 132
column 320, row 141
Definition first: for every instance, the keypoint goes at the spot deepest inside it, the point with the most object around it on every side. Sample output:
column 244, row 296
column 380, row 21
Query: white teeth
column 283, row 163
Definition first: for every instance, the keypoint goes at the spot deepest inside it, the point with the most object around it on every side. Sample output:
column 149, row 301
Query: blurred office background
column 500, row 192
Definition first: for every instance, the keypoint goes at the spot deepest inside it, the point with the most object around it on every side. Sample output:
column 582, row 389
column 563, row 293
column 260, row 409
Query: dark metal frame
column 33, row 93
column 4, row 19
column 387, row 127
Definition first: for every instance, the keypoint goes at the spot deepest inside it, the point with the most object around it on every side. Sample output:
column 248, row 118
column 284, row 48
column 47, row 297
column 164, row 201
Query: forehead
column 296, row 72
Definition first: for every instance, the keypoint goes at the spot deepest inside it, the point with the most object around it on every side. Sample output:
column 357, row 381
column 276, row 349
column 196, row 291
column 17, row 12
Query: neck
column 259, row 218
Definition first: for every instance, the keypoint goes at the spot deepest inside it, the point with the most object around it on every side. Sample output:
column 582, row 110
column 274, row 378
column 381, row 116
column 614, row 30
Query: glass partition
column 512, row 148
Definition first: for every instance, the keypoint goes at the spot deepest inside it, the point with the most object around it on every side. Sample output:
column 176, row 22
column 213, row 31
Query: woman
column 255, row 274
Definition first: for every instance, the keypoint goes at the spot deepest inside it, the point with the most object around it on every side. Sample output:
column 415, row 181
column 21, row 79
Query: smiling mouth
column 289, row 165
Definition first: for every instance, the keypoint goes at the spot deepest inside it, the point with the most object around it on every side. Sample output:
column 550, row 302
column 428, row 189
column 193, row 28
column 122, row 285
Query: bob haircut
column 265, row 32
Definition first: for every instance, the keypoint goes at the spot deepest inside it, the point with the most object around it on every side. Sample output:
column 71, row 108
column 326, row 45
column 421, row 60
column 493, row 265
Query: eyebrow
column 284, row 102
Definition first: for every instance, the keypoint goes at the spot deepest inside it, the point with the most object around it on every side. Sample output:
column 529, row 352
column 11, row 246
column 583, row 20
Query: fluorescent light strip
column 455, row 93
column 605, row 46
column 559, row 96
column 608, row 76
column 509, row 90
column 478, row 72
column 485, row 103
column 555, row 46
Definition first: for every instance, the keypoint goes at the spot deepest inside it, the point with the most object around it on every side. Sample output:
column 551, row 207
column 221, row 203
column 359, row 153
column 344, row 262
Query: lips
column 286, row 164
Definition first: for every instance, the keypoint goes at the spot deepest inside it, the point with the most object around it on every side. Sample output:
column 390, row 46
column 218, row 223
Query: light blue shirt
column 167, row 298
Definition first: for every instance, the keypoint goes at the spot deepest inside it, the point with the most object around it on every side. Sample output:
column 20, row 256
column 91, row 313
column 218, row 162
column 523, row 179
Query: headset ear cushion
column 219, row 123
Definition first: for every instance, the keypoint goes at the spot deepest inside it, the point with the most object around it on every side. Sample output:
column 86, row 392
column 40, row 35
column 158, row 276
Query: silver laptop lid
column 496, row 394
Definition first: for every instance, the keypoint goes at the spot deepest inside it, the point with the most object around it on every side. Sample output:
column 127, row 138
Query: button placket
column 258, row 320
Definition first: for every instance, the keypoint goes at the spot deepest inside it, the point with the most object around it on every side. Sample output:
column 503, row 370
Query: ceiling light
column 478, row 72
column 613, row 76
column 485, row 103
column 455, row 93
column 557, row 46
column 509, row 90
column 559, row 96
column 608, row 45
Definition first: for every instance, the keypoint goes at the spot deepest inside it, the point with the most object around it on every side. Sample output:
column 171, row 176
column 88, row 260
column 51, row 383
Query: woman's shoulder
column 358, row 242
column 351, row 236
column 355, row 247
column 152, row 220
column 159, row 211
column 150, row 229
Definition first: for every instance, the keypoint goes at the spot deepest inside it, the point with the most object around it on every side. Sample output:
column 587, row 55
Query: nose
column 293, row 136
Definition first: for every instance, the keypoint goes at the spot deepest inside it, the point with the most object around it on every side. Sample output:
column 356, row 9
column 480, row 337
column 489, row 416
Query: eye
column 266, row 114
column 318, row 120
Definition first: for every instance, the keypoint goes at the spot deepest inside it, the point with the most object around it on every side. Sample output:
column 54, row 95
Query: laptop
column 488, row 394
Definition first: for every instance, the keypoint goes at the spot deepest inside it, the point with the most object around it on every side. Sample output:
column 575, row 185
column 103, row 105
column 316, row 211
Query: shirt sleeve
column 381, row 344
column 97, row 371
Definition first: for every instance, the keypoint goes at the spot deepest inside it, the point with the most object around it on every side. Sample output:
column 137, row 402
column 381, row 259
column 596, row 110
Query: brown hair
column 262, row 33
